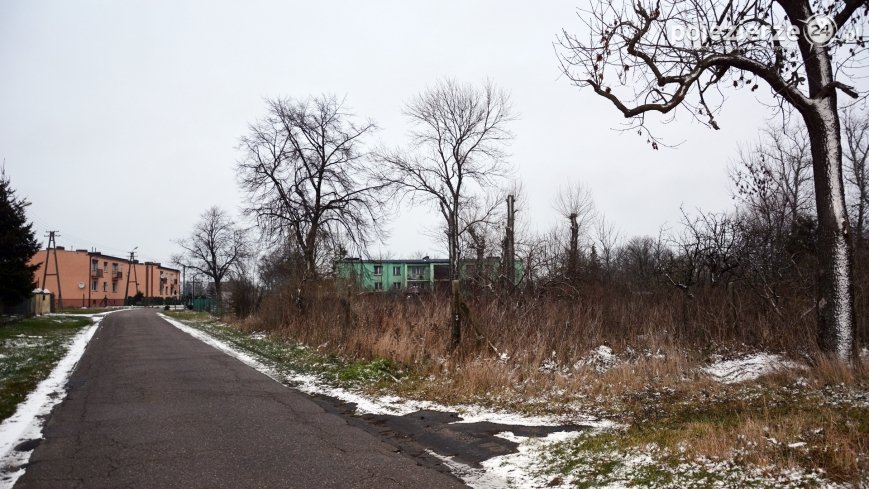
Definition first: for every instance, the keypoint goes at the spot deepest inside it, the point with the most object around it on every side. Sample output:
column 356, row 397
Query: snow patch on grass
column 523, row 469
column 600, row 359
column 27, row 422
column 748, row 367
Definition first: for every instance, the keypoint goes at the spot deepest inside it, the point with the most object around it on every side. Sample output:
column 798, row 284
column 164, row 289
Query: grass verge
column 29, row 350
column 803, row 427
column 288, row 357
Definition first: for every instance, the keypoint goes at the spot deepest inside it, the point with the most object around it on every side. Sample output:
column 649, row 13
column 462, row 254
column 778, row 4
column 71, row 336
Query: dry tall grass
column 513, row 343
column 532, row 352
column 413, row 329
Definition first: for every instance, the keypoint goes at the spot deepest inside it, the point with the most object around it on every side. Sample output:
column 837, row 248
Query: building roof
column 415, row 261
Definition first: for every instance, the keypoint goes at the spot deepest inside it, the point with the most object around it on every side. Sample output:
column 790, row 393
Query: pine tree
column 17, row 246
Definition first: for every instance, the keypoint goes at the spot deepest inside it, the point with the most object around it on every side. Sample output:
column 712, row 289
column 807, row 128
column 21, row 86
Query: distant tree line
column 316, row 190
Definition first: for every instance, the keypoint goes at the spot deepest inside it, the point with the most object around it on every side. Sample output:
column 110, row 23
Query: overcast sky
column 120, row 121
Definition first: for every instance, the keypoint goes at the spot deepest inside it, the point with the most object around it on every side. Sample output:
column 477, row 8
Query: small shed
column 40, row 302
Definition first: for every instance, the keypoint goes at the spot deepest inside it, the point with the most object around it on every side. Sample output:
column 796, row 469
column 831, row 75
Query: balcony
column 117, row 275
column 96, row 272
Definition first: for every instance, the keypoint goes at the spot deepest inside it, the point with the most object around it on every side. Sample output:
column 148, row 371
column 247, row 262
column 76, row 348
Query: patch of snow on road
column 27, row 422
column 522, row 469
column 378, row 405
column 748, row 367
column 477, row 414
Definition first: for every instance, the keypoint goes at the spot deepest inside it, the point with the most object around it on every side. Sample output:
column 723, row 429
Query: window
column 95, row 265
column 94, row 285
column 114, row 286
column 378, row 285
column 396, row 271
column 105, row 286
column 106, row 267
column 396, row 285
column 415, row 273
column 115, row 267
column 378, row 269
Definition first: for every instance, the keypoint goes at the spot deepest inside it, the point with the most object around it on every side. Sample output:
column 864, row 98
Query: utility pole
column 184, row 286
column 132, row 269
column 52, row 246
column 509, row 258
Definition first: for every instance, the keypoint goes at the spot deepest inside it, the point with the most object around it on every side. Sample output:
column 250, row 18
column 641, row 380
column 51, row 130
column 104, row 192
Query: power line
column 41, row 223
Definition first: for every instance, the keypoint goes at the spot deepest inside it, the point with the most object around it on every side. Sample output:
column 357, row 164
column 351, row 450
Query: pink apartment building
column 92, row 279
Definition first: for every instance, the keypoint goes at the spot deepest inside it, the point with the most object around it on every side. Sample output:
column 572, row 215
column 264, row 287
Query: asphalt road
column 150, row 406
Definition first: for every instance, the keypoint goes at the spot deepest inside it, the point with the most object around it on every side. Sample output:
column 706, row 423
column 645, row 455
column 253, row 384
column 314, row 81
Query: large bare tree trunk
column 802, row 75
column 508, row 259
column 835, row 294
column 455, row 313
column 573, row 251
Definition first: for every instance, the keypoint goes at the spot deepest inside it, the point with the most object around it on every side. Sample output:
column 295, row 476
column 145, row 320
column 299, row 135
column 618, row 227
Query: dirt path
column 150, row 406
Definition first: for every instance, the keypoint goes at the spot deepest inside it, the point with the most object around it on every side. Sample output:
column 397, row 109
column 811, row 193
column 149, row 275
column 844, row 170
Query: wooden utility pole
column 573, row 251
column 132, row 269
column 508, row 265
column 52, row 246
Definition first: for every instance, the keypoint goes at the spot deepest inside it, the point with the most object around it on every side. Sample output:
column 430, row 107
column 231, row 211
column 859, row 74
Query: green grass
column 288, row 358
column 652, row 453
column 188, row 315
column 598, row 459
column 29, row 350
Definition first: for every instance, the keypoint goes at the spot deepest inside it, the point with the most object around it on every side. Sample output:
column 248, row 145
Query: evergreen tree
column 17, row 246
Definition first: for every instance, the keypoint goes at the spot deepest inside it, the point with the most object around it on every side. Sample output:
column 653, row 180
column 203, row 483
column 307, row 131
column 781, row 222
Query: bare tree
column 772, row 186
column 607, row 239
column 214, row 248
column 459, row 132
column 636, row 58
column 574, row 202
column 855, row 126
column 304, row 169
column 708, row 248
column 773, row 179
column 642, row 259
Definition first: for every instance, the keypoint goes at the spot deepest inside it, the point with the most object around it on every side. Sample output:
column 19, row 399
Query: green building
column 413, row 275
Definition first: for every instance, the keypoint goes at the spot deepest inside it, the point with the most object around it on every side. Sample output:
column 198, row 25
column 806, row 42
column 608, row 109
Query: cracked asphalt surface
column 149, row 406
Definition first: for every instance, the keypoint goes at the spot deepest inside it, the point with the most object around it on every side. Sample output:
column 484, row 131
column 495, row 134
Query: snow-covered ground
column 748, row 367
column 522, row 469
column 26, row 424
